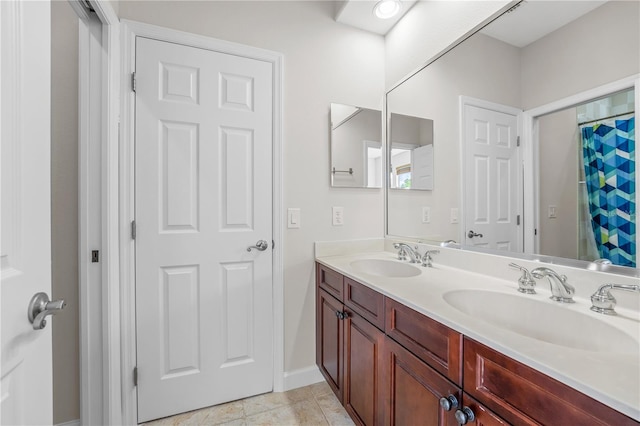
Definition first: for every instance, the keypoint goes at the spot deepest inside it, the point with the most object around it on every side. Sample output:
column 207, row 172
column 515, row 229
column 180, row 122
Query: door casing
column 131, row 30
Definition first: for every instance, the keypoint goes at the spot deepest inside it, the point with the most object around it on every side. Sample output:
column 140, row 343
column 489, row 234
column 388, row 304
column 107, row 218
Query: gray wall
column 64, row 209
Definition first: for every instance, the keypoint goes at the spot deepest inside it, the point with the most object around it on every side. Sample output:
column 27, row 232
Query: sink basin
column 544, row 321
column 385, row 268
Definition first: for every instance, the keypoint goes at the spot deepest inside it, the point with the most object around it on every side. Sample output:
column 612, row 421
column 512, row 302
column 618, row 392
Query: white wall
column 427, row 29
column 578, row 56
column 558, row 152
column 64, row 210
column 324, row 62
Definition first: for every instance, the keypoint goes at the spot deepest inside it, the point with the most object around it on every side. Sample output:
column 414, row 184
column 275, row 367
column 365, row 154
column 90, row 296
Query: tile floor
column 311, row 405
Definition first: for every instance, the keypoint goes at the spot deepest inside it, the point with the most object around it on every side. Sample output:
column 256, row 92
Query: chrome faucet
column 427, row 260
column 603, row 302
column 526, row 283
column 561, row 290
column 405, row 250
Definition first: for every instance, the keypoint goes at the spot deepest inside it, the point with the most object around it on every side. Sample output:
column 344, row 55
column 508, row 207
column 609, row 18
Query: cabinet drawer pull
column 465, row 415
column 448, row 403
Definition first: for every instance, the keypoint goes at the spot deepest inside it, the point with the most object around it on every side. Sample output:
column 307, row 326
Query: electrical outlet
column 338, row 216
column 293, row 218
column 426, row 214
column 454, row 215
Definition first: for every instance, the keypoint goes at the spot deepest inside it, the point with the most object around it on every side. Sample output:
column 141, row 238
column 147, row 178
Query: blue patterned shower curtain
column 609, row 162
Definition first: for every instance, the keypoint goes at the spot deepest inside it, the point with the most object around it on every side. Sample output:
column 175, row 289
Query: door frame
column 521, row 160
column 530, row 141
column 131, row 30
column 98, row 109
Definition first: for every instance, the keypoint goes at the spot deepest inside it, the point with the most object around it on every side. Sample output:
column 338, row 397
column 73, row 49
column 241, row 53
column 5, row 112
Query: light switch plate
column 426, row 214
column 553, row 212
column 293, row 218
column 337, row 216
column 454, row 215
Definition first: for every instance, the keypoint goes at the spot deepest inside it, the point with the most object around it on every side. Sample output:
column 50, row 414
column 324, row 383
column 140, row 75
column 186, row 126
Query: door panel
column 203, row 195
column 492, row 180
column 25, row 230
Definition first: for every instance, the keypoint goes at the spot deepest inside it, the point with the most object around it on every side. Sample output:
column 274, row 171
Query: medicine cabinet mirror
column 514, row 109
column 356, row 147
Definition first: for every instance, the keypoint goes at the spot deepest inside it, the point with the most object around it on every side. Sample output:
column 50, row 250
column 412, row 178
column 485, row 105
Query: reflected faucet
column 405, row 250
column 603, row 301
column 561, row 291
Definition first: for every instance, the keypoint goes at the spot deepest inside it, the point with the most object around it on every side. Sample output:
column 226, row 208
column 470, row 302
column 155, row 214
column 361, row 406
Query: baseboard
column 302, row 377
column 71, row 423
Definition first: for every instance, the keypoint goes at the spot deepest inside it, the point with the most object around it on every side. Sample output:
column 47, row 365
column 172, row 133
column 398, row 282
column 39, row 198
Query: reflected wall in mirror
column 356, row 147
column 529, row 68
column 411, row 153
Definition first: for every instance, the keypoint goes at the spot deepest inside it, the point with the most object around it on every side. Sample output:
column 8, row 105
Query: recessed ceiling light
column 386, row 9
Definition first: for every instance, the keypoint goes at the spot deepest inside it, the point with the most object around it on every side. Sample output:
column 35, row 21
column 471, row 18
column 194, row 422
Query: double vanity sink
column 542, row 320
column 596, row 354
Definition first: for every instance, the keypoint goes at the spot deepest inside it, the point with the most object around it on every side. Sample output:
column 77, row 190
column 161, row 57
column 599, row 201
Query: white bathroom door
column 491, row 179
column 25, row 231
column 203, row 196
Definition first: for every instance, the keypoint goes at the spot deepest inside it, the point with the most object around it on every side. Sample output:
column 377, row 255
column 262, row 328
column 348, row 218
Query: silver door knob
column 41, row 307
column 472, row 234
column 261, row 245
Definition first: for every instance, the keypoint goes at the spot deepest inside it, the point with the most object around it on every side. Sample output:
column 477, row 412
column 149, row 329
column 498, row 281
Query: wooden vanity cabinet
column 348, row 344
column 398, row 376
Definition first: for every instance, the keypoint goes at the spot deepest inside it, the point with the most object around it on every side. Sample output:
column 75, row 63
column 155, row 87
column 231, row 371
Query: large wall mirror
column 356, row 147
column 533, row 135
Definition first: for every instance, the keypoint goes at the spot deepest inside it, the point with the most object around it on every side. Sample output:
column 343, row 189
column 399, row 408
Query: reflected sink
column 385, row 268
column 543, row 321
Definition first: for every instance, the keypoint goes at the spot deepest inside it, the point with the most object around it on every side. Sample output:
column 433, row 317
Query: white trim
column 98, row 145
column 530, row 141
column 522, row 154
column 302, row 377
column 130, row 30
column 70, row 423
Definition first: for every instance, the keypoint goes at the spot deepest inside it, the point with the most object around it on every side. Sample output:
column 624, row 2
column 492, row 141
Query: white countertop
column 609, row 377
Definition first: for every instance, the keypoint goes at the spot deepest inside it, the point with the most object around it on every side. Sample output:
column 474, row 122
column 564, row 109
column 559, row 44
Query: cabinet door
column 362, row 357
column 412, row 390
column 329, row 334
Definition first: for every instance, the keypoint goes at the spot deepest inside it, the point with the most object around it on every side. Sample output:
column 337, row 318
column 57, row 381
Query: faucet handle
column 402, row 254
column 526, row 283
column 427, row 259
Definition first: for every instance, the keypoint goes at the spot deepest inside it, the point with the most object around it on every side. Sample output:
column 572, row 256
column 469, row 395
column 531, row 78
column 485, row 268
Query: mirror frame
column 529, row 118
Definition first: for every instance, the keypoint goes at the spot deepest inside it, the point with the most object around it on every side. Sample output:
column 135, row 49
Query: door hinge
column 518, row 220
column 535, row 231
column 133, row 229
column 517, row 139
column 273, row 244
column 135, row 376
column 95, row 256
column 133, row 81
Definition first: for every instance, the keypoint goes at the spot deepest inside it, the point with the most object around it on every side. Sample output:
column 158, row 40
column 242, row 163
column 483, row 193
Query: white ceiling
column 533, row 19
column 359, row 14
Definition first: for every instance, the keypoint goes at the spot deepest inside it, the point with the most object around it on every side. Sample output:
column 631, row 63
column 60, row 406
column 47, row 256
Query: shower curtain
column 608, row 149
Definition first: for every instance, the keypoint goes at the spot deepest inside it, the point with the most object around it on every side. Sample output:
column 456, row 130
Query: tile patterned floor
column 311, row 405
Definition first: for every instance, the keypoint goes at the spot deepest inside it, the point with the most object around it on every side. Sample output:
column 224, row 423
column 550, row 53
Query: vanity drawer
column 366, row 302
column 511, row 389
column 437, row 345
column 330, row 281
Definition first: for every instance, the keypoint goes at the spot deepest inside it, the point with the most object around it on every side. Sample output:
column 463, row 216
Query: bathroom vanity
column 394, row 351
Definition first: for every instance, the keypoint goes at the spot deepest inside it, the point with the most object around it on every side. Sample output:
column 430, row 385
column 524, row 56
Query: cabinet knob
column 449, row 402
column 341, row 315
column 465, row 415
